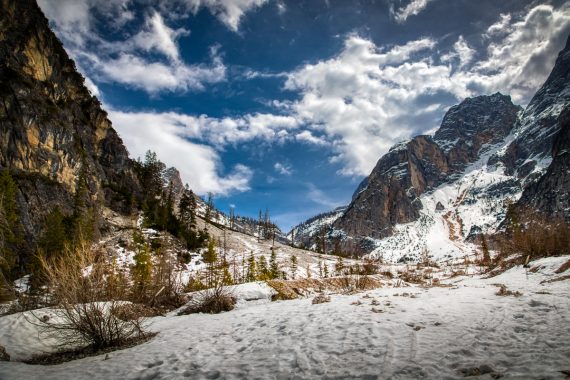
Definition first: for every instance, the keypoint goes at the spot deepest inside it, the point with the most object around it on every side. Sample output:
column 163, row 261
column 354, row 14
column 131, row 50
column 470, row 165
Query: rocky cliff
column 550, row 195
column 53, row 132
column 410, row 169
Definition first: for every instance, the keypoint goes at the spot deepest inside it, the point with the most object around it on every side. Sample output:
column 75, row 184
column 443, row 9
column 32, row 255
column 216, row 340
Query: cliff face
column 551, row 193
column 391, row 192
column 52, row 130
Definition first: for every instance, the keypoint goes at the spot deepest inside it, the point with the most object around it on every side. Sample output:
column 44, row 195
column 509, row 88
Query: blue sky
column 287, row 105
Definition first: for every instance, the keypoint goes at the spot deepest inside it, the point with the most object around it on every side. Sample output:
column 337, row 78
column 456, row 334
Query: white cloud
column 413, row 8
column 309, row 138
column 199, row 164
column 228, row 12
column 92, row 87
column 521, row 52
column 127, row 61
column 283, row 168
column 461, row 52
column 500, row 27
column 159, row 37
column 154, row 77
column 368, row 98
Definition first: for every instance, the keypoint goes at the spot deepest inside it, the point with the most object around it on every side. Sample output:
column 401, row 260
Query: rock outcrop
column 52, row 130
column 410, row 169
column 550, row 195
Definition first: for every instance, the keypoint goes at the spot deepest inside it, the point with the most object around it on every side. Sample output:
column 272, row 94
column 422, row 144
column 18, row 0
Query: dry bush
column 412, row 277
column 166, row 288
column 530, row 236
column 369, row 267
column 387, row 274
column 211, row 301
column 503, row 291
column 83, row 287
column 321, row 298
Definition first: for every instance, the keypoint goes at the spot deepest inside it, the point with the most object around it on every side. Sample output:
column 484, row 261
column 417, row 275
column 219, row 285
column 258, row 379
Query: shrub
column 211, row 301
column 86, row 303
column 321, row 298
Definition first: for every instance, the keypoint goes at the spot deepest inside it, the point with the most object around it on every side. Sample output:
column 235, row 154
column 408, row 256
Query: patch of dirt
column 562, row 278
column 563, row 268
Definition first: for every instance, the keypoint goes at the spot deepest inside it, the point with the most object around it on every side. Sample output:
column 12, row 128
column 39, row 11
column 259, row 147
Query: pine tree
column 54, row 237
column 273, row 265
column 325, row 270
column 210, row 257
column 251, row 273
column 293, row 266
column 226, row 275
column 320, row 269
column 209, row 208
column 262, row 269
column 141, row 271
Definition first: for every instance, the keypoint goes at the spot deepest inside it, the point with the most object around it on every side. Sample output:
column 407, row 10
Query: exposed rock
column 52, row 130
column 412, row 168
column 551, row 193
column 439, row 207
column 538, row 124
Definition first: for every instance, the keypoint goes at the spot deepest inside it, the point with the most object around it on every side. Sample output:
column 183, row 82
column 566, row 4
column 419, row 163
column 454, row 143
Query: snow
column 440, row 332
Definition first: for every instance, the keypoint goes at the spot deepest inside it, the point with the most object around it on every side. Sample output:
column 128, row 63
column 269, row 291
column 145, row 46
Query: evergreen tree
column 209, row 208
column 320, row 269
column 325, row 270
column 210, row 258
column 226, row 275
column 251, row 273
column 54, row 237
column 141, row 271
column 262, row 269
column 273, row 265
column 293, row 266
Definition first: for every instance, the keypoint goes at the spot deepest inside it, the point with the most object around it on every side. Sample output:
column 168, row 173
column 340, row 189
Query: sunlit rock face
column 52, row 130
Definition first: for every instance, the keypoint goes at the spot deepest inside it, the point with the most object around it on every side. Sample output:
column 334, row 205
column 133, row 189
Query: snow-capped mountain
column 306, row 233
column 438, row 193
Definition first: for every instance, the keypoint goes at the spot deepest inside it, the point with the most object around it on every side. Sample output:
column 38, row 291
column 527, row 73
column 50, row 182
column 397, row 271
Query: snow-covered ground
column 392, row 332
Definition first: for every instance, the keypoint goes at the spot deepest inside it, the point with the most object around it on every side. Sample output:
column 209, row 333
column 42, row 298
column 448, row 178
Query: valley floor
column 463, row 329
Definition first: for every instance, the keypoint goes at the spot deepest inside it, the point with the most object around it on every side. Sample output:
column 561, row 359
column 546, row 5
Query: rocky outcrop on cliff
column 550, row 195
column 52, row 130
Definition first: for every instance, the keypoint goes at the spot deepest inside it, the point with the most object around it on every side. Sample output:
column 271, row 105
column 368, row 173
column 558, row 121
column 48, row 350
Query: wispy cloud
column 413, row 8
column 229, row 12
column 283, row 168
